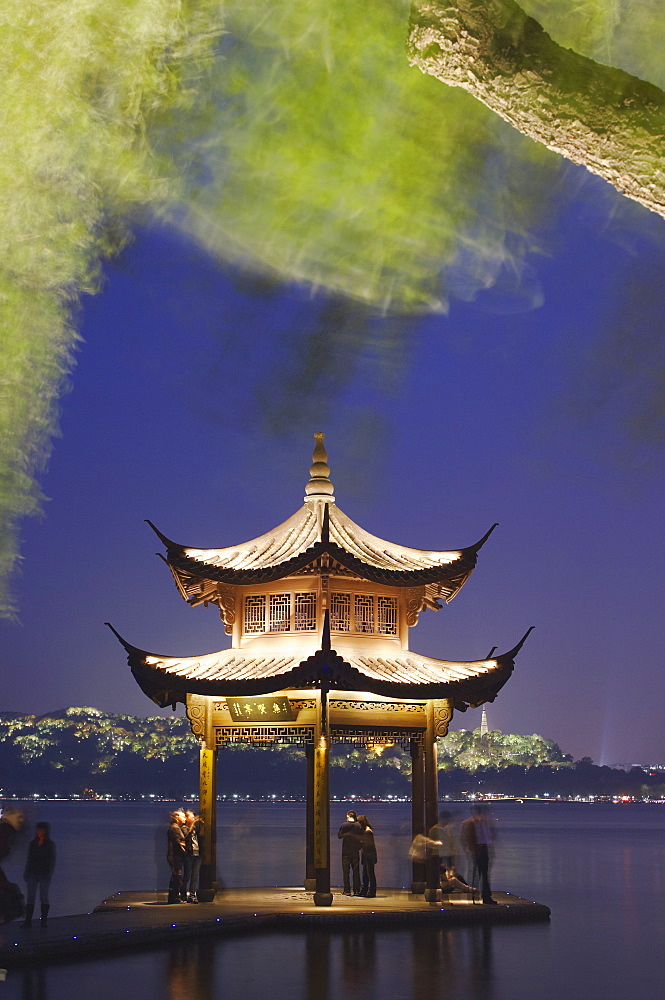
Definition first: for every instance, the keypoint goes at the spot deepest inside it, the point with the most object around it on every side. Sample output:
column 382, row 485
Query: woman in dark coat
column 367, row 858
column 38, row 872
column 193, row 830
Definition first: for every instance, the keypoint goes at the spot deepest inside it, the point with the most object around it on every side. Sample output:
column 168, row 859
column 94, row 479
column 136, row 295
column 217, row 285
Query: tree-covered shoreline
column 82, row 751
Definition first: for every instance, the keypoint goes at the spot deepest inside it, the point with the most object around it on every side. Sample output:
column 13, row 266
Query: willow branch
column 603, row 118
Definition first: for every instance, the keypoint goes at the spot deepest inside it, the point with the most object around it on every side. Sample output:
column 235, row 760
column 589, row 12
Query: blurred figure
column 175, row 855
column 349, row 833
column 443, row 832
column 368, row 858
column 39, row 868
column 11, row 822
column 451, row 882
column 11, row 898
column 477, row 836
column 193, row 830
column 445, row 846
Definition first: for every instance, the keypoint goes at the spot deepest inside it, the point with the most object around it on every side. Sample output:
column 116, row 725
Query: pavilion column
column 321, row 797
column 208, row 811
column 199, row 713
column 208, row 805
column 417, row 810
column 431, row 800
column 310, row 867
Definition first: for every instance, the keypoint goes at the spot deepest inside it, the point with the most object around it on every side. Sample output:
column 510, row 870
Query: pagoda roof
column 319, row 529
column 401, row 674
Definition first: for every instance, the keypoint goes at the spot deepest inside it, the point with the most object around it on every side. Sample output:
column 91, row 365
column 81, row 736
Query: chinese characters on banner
column 275, row 708
column 207, row 785
column 321, row 831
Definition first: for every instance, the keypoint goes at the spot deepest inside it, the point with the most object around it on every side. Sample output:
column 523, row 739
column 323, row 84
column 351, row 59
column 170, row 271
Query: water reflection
column 448, row 962
column 317, row 952
column 425, row 964
column 33, row 983
column 190, row 971
column 358, row 958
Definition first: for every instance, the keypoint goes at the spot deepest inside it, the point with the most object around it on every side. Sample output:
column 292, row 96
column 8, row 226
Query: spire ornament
column 319, row 487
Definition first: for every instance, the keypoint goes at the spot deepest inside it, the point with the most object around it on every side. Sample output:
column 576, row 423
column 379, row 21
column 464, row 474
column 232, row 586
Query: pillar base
column 432, row 895
column 323, row 898
column 310, row 885
column 418, row 888
column 206, row 895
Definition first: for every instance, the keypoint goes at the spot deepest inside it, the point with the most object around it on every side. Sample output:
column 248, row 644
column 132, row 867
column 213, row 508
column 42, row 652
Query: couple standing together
column 184, row 855
column 358, row 848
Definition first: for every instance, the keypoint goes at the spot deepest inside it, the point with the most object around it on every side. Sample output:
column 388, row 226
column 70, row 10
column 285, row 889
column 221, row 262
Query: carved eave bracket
column 226, row 601
column 443, row 714
column 416, row 602
column 197, row 714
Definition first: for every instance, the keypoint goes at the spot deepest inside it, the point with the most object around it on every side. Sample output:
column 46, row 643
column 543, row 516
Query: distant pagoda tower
column 319, row 611
column 483, row 723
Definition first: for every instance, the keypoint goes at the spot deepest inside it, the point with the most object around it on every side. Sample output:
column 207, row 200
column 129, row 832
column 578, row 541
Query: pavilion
column 319, row 611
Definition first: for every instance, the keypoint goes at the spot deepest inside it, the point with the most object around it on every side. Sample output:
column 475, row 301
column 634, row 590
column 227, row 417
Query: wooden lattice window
column 386, row 615
column 372, row 614
column 340, row 612
column 280, row 612
column 363, row 613
column 285, row 612
column 255, row 614
column 305, row 613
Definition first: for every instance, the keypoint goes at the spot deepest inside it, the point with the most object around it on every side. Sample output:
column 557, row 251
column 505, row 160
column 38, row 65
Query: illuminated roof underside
column 167, row 679
column 320, row 528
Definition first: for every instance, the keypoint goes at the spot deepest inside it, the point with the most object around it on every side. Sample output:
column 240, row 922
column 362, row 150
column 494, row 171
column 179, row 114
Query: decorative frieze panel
column 302, row 704
column 376, row 737
column 264, row 735
column 377, row 706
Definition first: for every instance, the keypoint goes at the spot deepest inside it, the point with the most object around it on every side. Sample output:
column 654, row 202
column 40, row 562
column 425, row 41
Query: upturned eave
column 233, row 672
column 451, row 572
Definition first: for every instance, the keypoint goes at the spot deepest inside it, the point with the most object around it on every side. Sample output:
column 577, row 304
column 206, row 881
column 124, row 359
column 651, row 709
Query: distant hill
column 77, row 749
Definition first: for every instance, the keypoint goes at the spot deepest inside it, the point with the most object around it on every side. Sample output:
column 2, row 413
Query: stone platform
column 145, row 920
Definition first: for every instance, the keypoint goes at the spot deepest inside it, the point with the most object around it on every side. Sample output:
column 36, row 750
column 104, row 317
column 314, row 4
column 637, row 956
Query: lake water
column 599, row 867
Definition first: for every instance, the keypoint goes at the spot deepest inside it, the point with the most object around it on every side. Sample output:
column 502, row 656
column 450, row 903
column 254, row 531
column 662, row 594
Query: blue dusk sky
column 536, row 404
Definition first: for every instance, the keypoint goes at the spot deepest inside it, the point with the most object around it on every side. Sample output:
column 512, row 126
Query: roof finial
column 319, row 487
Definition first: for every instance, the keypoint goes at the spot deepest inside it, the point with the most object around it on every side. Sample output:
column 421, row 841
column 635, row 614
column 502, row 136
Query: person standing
column 193, row 830
column 38, row 872
column 175, row 855
column 368, row 858
column 349, row 833
column 477, row 835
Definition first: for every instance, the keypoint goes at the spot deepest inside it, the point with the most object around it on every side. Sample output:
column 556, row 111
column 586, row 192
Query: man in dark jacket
column 477, row 835
column 349, row 833
column 175, row 856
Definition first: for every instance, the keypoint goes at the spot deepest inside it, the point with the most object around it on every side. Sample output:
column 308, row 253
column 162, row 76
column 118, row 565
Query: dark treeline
column 64, row 753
